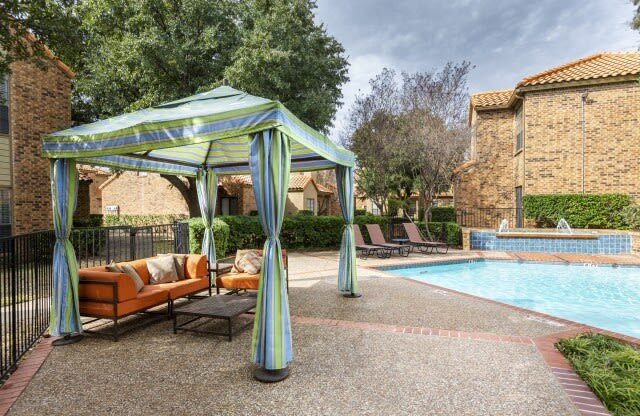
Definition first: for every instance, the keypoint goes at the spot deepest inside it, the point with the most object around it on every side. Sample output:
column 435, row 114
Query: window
column 4, row 105
column 311, row 205
column 229, row 206
column 519, row 137
column 374, row 209
column 5, row 212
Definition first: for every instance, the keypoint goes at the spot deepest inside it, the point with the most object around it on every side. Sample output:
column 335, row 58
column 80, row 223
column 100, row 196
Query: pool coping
column 578, row 392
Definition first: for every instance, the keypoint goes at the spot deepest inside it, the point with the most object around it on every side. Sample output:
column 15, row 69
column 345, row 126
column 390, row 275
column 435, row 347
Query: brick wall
column 553, row 155
column 551, row 160
column 39, row 103
column 84, row 199
column 143, row 194
column 490, row 181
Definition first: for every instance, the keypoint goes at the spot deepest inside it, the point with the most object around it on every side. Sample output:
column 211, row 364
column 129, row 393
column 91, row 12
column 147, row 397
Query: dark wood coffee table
column 225, row 307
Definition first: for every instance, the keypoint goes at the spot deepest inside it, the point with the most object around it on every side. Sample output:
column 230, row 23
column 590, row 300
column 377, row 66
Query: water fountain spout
column 563, row 227
column 504, row 226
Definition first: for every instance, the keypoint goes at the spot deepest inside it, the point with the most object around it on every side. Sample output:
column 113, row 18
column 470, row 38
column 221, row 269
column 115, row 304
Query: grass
column 609, row 367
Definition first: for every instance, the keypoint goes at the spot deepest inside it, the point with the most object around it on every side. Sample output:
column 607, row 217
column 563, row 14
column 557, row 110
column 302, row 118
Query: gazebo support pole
column 65, row 311
column 207, row 188
column 271, row 349
column 347, row 271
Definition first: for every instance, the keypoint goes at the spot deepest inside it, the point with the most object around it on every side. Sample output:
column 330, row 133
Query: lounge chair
column 377, row 239
column 424, row 246
column 366, row 250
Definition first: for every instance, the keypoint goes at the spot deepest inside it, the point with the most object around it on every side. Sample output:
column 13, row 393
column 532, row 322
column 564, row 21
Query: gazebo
column 219, row 132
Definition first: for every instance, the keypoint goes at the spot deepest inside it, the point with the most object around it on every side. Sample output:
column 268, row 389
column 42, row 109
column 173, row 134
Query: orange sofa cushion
column 238, row 281
column 195, row 267
column 181, row 288
column 147, row 298
column 126, row 289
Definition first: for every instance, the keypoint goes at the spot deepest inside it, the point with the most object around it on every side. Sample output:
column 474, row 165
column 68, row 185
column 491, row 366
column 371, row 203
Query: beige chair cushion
column 162, row 270
column 247, row 261
column 114, row 268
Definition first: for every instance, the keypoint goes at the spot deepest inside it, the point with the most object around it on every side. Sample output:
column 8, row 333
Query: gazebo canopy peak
column 209, row 130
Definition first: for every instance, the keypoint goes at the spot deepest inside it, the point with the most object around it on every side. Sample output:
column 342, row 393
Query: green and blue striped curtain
column 65, row 311
column 207, row 188
column 347, row 274
column 270, row 162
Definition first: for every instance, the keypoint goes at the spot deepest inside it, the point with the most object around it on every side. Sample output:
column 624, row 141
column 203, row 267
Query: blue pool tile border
column 603, row 244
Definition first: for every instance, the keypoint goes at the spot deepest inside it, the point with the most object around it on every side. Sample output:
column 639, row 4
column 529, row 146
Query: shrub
column 443, row 214
column 631, row 216
column 298, row 231
column 360, row 212
column 142, row 220
column 253, row 213
column 220, row 235
column 448, row 232
column 610, row 368
column 305, row 212
column 92, row 221
column 580, row 211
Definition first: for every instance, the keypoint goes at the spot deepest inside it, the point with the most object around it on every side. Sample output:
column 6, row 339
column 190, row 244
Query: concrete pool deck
column 403, row 348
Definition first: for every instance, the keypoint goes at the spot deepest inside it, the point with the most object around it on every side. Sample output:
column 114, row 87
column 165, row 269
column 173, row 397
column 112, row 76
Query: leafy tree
column 134, row 54
column 285, row 55
column 635, row 23
column 53, row 22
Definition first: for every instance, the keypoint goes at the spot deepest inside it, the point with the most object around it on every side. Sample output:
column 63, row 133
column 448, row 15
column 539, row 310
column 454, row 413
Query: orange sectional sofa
column 245, row 281
column 107, row 295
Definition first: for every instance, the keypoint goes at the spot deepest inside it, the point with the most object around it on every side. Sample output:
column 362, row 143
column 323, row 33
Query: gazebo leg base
column 67, row 339
column 270, row 376
column 352, row 295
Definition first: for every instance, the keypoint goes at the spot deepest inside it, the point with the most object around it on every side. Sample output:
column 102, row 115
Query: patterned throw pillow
column 162, row 270
column 113, row 268
column 131, row 272
column 248, row 261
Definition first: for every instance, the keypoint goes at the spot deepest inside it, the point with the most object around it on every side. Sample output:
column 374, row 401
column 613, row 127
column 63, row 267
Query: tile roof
column 296, row 182
column 498, row 98
column 600, row 65
column 593, row 67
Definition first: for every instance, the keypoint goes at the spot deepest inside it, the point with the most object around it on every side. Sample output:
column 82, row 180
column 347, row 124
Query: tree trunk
column 188, row 192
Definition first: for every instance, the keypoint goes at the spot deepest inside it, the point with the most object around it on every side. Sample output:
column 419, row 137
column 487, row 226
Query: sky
column 505, row 40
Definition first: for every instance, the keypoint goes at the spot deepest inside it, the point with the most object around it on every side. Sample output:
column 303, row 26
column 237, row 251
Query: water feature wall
column 548, row 243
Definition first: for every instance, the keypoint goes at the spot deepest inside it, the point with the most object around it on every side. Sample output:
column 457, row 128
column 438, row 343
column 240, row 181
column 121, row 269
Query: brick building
column 571, row 129
column 33, row 102
column 140, row 193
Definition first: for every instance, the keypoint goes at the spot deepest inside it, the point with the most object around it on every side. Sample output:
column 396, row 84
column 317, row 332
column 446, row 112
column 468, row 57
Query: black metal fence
column 26, row 274
column 395, row 229
column 489, row 217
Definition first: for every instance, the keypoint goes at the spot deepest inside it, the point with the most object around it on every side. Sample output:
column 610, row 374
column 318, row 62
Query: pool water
column 602, row 296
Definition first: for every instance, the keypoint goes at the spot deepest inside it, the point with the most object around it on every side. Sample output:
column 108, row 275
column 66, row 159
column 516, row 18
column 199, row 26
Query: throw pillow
column 113, row 268
column 162, row 270
column 180, row 260
column 131, row 272
column 237, row 267
column 250, row 262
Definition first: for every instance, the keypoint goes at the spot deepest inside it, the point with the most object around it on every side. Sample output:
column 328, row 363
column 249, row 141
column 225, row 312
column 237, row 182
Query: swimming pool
column 603, row 296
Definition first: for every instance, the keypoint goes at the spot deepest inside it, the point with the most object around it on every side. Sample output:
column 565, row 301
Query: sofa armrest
column 102, row 286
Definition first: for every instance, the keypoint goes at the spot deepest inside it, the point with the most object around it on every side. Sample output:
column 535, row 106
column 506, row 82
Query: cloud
column 504, row 39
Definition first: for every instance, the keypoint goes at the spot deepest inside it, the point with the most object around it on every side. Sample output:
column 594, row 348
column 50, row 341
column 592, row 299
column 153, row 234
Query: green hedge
column 580, row 211
column 449, row 232
column 298, row 231
column 443, row 214
column 220, row 235
column 142, row 220
column 631, row 216
column 92, row 221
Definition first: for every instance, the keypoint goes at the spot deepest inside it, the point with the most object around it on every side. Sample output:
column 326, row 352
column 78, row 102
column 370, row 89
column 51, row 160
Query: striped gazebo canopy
column 209, row 130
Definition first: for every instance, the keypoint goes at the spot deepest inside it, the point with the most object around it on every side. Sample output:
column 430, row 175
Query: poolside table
column 225, row 307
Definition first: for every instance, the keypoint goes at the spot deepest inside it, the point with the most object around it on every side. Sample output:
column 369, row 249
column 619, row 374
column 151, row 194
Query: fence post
column 132, row 243
column 14, row 304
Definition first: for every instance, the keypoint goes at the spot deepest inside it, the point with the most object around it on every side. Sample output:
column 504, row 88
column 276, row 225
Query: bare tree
column 373, row 127
column 434, row 129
